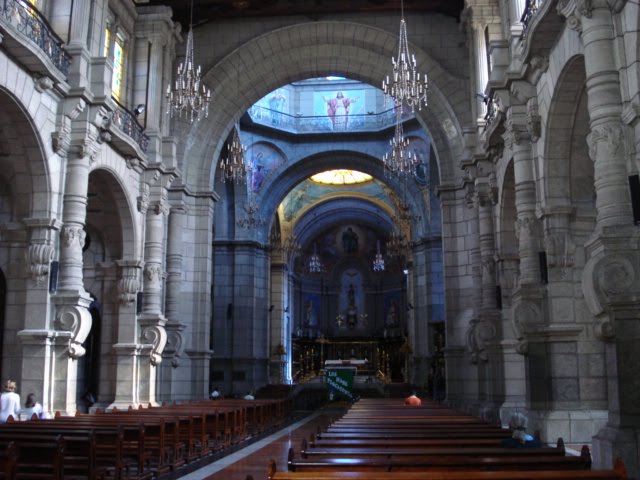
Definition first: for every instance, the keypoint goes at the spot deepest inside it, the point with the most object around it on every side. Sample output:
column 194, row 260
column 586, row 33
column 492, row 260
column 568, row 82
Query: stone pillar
column 611, row 284
column 38, row 334
column 278, row 348
column 170, row 374
column 72, row 301
column 153, row 336
column 126, row 348
column 77, row 46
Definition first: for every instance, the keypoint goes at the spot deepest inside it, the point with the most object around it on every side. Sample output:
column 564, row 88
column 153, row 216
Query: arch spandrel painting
column 342, row 109
column 422, row 150
column 264, row 160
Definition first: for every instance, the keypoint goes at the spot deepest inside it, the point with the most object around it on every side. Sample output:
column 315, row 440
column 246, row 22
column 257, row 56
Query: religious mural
column 311, row 309
column 272, row 108
column 392, row 302
column 340, row 108
column 264, row 160
column 422, row 150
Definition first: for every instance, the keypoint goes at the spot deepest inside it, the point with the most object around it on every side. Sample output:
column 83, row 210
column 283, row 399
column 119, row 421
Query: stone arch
column 290, row 176
column 22, row 160
column 566, row 132
column 321, row 49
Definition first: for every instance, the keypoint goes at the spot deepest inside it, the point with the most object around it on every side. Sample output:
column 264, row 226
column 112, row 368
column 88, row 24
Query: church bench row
column 158, row 440
column 618, row 473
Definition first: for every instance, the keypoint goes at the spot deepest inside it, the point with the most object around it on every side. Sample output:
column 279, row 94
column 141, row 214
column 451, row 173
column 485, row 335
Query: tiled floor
column 254, row 459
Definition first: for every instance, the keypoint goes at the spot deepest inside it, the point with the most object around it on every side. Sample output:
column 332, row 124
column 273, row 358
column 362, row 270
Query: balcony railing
column 323, row 124
column 127, row 123
column 29, row 21
column 530, row 10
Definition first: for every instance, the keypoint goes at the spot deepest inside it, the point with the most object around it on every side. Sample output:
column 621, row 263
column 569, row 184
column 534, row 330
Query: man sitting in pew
column 520, row 438
column 413, row 400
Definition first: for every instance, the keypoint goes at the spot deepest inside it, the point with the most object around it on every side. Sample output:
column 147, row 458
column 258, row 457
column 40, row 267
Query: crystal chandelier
column 289, row 248
column 378, row 261
column 315, row 263
column 400, row 160
column 233, row 168
column 406, row 85
column 397, row 245
column 189, row 96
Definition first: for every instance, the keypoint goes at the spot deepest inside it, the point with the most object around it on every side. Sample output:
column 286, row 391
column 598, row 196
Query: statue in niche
column 349, row 241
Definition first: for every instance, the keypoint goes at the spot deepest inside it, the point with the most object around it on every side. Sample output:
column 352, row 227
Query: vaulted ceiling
column 207, row 10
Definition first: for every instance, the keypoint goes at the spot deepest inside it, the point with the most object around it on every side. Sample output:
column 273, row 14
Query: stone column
column 126, row 349
column 153, row 336
column 37, row 337
column 169, row 375
column 72, row 301
column 611, row 277
column 482, row 68
column 77, row 47
column 279, row 332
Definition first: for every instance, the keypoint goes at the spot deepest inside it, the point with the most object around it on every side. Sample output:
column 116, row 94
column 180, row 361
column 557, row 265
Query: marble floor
column 254, row 459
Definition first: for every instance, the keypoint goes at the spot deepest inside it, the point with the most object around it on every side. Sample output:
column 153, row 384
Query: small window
column 107, row 39
column 118, row 67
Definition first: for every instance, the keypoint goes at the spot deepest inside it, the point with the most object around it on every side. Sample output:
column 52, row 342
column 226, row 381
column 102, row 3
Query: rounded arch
column 22, row 160
column 321, row 49
column 110, row 211
column 566, row 150
column 289, row 177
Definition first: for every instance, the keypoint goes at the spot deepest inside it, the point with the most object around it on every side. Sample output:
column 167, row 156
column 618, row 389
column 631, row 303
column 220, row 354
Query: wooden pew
column 618, row 473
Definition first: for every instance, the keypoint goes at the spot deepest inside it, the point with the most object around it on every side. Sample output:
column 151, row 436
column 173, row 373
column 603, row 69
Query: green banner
column 340, row 383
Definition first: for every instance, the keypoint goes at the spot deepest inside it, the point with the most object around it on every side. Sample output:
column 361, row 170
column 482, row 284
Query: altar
column 345, row 363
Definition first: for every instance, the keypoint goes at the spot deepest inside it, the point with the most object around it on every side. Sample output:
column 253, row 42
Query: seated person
column 520, row 438
column 413, row 400
column 249, row 396
column 215, row 394
column 32, row 407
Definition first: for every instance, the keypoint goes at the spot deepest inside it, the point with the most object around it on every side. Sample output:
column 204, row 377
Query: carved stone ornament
column 143, row 199
column 38, row 257
column 153, row 272
column 606, row 140
column 43, row 83
column 539, row 64
column 606, row 281
column 509, row 275
column 533, row 121
column 128, row 287
column 77, row 320
column 61, row 138
column 560, row 251
column 162, row 207
column 526, row 227
column 133, row 163
column 174, row 347
column 524, row 316
column 72, row 234
column 156, row 336
column 573, row 11
column 479, row 335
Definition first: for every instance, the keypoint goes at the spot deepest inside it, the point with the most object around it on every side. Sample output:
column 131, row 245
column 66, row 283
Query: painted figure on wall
column 276, row 103
column 352, row 309
column 350, row 241
column 338, row 110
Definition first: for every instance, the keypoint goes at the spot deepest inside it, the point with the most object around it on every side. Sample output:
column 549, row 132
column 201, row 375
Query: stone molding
column 129, row 283
column 175, row 342
column 75, row 318
column 38, row 257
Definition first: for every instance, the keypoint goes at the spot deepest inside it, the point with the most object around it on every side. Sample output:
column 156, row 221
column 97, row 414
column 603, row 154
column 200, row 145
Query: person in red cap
column 413, row 400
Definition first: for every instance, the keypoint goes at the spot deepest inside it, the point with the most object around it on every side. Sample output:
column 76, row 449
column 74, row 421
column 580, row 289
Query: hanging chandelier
column 406, row 86
column 315, row 263
column 378, row 261
column 234, row 168
column 397, row 245
column 400, row 160
column 289, row 248
column 189, row 96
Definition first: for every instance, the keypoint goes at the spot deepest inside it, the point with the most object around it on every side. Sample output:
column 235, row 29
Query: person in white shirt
column 31, row 407
column 9, row 402
column 249, row 396
column 215, row 394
